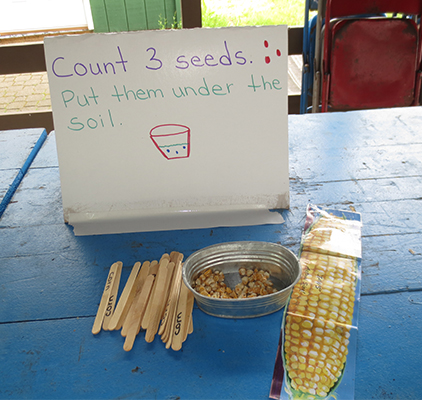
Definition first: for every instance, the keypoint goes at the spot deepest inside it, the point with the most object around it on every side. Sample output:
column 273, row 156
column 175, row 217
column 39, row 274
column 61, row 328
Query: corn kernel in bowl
column 254, row 283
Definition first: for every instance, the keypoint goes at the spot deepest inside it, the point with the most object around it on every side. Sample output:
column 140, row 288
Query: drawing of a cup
column 172, row 140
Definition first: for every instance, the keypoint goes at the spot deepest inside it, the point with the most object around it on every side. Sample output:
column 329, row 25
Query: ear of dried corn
column 334, row 236
column 319, row 314
column 317, row 324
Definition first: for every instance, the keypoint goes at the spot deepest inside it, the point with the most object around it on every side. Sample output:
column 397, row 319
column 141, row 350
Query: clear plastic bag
column 317, row 349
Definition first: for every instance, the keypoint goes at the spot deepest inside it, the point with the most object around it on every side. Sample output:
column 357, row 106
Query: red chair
column 371, row 62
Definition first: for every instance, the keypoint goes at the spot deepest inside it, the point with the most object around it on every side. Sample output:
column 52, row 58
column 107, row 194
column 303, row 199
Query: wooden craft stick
column 173, row 259
column 190, row 329
column 153, row 319
column 98, row 322
column 174, row 256
column 171, row 302
column 168, row 331
column 169, row 277
column 125, row 299
column 143, row 273
column 170, row 271
column 135, row 315
column 165, row 255
column 153, row 270
column 189, row 326
column 112, row 299
column 139, row 284
column 165, row 318
column 182, row 319
column 164, row 311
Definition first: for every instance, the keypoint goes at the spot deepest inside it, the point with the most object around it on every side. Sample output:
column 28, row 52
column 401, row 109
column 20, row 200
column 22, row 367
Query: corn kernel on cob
column 317, row 324
column 335, row 236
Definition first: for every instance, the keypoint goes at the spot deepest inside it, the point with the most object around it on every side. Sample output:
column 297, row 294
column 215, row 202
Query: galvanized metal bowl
column 281, row 263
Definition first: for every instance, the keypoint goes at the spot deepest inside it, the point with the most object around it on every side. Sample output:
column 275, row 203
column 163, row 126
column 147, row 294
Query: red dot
column 278, row 52
column 267, row 59
column 265, row 43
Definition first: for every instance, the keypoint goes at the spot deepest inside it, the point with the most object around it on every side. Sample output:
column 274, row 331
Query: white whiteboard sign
column 156, row 128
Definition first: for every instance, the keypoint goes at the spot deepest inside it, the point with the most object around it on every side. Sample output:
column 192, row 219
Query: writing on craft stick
column 109, row 280
column 109, row 308
column 178, row 323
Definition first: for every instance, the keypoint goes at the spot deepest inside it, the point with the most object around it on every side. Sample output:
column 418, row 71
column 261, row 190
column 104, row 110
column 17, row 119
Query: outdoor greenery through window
column 219, row 13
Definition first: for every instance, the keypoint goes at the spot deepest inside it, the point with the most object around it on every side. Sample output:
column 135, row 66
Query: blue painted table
column 17, row 151
column 52, row 281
